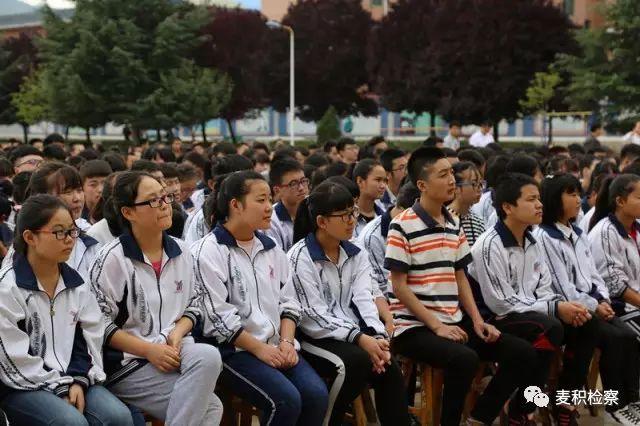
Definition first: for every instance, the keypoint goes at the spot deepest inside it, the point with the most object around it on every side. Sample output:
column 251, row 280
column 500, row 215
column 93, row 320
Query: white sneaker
column 634, row 407
column 623, row 416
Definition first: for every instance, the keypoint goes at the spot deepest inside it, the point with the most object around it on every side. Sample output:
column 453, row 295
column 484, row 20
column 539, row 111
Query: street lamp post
column 292, row 78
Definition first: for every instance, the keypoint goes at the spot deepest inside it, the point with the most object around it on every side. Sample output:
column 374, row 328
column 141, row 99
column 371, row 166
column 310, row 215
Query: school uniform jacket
column 281, row 227
column 48, row 343
column 361, row 222
column 243, row 291
column 82, row 256
column 484, row 208
column 512, row 279
column 195, row 227
column 617, row 259
column 134, row 300
column 573, row 272
column 336, row 300
column 373, row 239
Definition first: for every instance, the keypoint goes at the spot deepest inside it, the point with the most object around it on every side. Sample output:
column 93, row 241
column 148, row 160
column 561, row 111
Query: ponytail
column 611, row 188
column 304, row 223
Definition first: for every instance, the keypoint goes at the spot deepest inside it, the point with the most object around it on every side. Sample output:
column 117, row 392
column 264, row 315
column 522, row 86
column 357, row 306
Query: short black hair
column 455, row 123
column 145, row 166
column 280, row 168
column 407, row 195
column 54, row 152
column 420, row 158
column 595, row 126
column 495, row 169
column 89, row 154
column 23, row 151
column 328, row 145
column 387, row 157
column 347, row 183
column 95, row 168
column 187, row 172
column 116, row 161
column 449, row 152
column 551, row 191
column 224, row 148
column 34, row 141
column 53, row 138
column 338, row 168
column 196, row 159
column 318, row 159
column 509, row 189
column 169, row 170
column 630, row 150
column 284, row 152
column 462, row 166
column 470, row 154
column 6, row 168
column 343, row 142
column 522, row 163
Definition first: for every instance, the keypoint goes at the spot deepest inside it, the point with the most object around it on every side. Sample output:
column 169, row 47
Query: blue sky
column 253, row 4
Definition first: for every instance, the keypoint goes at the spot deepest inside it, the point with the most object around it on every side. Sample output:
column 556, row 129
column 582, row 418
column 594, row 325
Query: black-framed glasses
column 62, row 234
column 297, row 183
column 400, row 169
column 154, row 203
column 346, row 216
column 474, row 185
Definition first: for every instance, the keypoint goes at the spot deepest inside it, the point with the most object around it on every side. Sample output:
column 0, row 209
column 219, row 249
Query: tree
column 18, row 61
column 469, row 60
column 31, row 102
column 237, row 43
column 328, row 127
column 113, row 56
column 604, row 75
column 330, row 59
column 540, row 94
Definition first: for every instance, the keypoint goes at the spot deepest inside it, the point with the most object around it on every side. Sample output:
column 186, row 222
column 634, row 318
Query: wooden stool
column 592, row 379
column 153, row 421
column 363, row 410
column 431, row 381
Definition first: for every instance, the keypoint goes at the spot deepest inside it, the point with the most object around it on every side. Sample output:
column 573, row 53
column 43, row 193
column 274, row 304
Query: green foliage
column 31, row 101
column 328, row 128
column 540, row 92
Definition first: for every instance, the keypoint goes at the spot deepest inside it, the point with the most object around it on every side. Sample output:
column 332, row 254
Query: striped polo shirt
column 472, row 225
column 429, row 254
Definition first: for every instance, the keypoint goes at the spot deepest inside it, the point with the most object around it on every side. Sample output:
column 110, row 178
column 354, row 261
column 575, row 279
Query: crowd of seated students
column 138, row 285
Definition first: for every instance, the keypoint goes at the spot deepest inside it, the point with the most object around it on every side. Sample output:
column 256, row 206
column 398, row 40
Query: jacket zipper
column 52, row 312
column 255, row 278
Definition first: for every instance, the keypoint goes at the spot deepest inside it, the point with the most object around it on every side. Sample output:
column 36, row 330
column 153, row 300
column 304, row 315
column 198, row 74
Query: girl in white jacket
column 575, row 278
column 343, row 337
column 250, row 308
column 50, row 328
column 145, row 287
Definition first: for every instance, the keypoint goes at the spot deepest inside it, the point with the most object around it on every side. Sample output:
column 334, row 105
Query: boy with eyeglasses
column 394, row 162
column 290, row 187
column 427, row 252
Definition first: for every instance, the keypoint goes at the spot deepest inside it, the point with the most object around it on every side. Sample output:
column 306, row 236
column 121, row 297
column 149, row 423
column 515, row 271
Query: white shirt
column 451, row 142
column 632, row 137
column 479, row 140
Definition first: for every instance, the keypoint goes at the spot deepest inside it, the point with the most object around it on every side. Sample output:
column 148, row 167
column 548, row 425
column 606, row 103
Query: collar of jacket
column 385, row 221
column 317, row 253
column 508, row 240
column 87, row 240
column 224, row 237
column 281, row 212
column 554, row 232
column 25, row 278
column 620, row 227
column 426, row 217
column 132, row 250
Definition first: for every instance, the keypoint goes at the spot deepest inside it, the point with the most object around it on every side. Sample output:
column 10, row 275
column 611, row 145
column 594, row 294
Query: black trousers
column 350, row 370
column 547, row 334
column 460, row 363
column 619, row 360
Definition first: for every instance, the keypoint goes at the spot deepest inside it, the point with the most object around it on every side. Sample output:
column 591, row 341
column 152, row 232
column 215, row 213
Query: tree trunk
column 158, row 135
column 66, row 133
column 204, row 132
column 136, row 135
column 495, row 132
column 25, row 132
column 432, row 130
column 550, row 138
column 87, row 132
column 231, row 131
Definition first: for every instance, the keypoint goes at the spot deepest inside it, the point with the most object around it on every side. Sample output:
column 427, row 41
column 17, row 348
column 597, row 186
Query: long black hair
column 610, row 189
column 125, row 192
column 54, row 178
column 35, row 213
column 326, row 198
column 235, row 185
column 551, row 192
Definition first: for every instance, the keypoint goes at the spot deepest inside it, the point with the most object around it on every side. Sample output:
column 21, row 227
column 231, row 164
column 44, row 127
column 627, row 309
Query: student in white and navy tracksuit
column 343, row 337
column 289, row 183
column 394, row 162
column 51, row 329
column 195, row 226
column 615, row 243
column 145, row 286
column 108, row 227
column 371, row 179
column 516, row 286
column 250, row 309
column 373, row 239
column 575, row 278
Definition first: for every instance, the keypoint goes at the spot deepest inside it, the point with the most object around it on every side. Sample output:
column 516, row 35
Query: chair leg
column 427, row 396
column 359, row 411
column 369, row 408
column 592, row 379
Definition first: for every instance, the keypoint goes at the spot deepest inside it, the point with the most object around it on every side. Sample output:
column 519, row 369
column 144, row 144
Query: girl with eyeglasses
column 65, row 183
column 51, row 328
column 250, row 310
column 371, row 179
column 574, row 276
column 343, row 337
column 468, row 192
column 145, row 286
